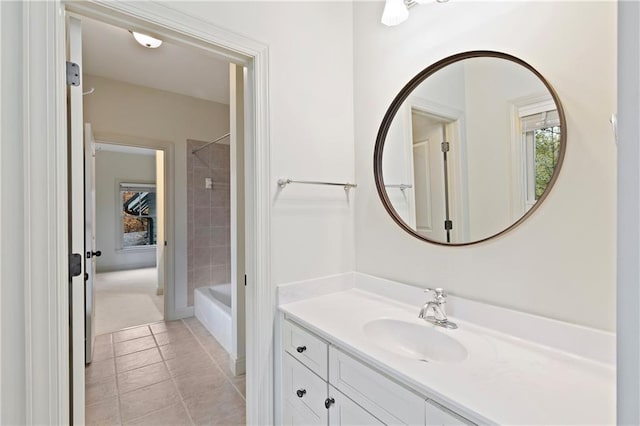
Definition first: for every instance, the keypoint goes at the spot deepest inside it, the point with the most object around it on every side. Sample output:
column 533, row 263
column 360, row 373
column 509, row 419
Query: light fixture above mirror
column 397, row 11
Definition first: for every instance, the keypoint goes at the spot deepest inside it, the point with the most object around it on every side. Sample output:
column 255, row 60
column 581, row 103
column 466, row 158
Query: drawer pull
column 301, row 349
column 328, row 402
column 301, row 392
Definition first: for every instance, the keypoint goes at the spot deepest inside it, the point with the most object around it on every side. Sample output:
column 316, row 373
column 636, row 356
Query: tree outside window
column 138, row 212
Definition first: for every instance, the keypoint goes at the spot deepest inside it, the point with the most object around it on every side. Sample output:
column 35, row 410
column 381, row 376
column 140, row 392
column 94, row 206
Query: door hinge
column 73, row 74
column 245, row 280
column 448, row 225
column 75, row 265
column 444, row 146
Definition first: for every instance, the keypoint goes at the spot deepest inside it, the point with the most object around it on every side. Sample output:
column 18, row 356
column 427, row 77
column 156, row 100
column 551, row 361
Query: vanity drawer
column 437, row 415
column 303, row 392
column 306, row 348
column 379, row 395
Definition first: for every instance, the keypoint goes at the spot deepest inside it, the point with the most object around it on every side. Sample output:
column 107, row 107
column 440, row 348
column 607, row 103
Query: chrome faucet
column 439, row 317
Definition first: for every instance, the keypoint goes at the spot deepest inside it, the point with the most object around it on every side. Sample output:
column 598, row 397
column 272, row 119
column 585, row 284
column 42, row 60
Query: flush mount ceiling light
column 397, row 11
column 146, row 40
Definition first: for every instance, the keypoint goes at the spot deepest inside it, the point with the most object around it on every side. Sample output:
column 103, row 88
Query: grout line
column 215, row 361
column 175, row 384
column 115, row 369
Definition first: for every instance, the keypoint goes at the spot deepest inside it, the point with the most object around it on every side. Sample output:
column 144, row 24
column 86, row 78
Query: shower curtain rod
column 212, row 142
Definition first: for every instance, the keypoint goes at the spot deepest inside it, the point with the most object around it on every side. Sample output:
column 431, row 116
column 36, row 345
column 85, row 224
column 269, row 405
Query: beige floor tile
column 179, row 350
column 191, row 320
column 199, row 383
column 102, row 351
column 240, row 382
column 148, row 399
column 237, row 418
column 131, row 333
column 98, row 370
column 100, row 389
column 134, row 345
column 174, row 415
column 161, row 327
column 103, row 413
column 201, row 408
column 212, row 407
column 175, row 336
column 104, row 338
column 138, row 359
column 198, row 362
column 232, row 410
column 141, row 377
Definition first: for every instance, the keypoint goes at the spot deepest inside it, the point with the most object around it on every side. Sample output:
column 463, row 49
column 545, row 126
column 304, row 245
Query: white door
column 90, row 238
column 76, row 227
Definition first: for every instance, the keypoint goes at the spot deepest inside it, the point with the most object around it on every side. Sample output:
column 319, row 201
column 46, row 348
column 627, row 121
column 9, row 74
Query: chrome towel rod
column 401, row 186
column 212, row 142
column 284, row 182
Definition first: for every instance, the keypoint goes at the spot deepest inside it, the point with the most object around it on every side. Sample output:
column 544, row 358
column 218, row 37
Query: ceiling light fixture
column 397, row 11
column 146, row 40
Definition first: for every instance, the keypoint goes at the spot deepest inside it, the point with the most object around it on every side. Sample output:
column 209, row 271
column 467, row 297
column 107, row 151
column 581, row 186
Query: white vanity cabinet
column 322, row 385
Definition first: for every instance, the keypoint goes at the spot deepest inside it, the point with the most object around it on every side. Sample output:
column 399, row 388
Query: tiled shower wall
column 208, row 211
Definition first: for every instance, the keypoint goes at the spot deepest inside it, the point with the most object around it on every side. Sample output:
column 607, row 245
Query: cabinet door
column 304, row 394
column 344, row 411
column 440, row 416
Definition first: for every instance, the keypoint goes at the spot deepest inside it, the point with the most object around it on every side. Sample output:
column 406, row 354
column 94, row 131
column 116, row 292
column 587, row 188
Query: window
column 138, row 214
column 541, row 145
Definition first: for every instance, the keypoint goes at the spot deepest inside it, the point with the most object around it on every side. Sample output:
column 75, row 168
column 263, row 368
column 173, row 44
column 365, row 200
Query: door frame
column 171, row 312
column 47, row 362
column 458, row 175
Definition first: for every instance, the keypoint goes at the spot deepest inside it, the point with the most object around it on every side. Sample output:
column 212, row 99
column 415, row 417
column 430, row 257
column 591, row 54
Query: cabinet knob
column 328, row 402
column 301, row 349
column 301, row 392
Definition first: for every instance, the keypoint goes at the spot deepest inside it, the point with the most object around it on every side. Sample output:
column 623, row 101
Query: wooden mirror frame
column 404, row 94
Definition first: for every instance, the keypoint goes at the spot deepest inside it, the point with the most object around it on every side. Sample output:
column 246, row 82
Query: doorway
column 122, row 111
column 129, row 195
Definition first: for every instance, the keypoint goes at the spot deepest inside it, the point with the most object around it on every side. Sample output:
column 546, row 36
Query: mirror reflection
column 471, row 150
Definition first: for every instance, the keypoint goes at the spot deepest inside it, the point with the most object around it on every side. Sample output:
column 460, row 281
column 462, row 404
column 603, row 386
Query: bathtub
column 212, row 307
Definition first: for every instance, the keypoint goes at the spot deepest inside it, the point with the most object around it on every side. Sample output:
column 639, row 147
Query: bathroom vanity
column 354, row 352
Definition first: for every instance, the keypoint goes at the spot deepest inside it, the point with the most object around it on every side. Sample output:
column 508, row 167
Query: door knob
column 301, row 349
column 90, row 254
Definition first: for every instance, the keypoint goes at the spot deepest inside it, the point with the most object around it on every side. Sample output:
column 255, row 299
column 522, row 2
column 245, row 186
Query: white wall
column 311, row 124
column 113, row 168
column 489, row 140
column 120, row 111
column 561, row 262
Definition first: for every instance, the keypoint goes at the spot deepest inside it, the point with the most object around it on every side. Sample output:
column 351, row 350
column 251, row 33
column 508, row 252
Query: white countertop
column 503, row 380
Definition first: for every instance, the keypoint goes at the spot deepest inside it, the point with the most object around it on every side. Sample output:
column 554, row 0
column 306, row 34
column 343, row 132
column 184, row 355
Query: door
column 76, row 223
column 90, row 238
column 429, row 177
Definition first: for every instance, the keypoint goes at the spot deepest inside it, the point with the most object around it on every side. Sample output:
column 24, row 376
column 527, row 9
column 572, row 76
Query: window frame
column 119, row 228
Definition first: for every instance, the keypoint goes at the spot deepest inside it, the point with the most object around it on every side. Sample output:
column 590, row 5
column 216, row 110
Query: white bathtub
column 212, row 306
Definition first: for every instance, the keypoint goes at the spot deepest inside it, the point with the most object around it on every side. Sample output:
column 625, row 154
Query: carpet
column 126, row 299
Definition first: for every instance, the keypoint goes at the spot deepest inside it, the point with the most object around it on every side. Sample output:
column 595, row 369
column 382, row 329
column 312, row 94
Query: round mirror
column 469, row 148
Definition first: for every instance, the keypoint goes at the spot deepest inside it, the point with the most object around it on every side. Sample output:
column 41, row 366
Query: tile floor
column 165, row 373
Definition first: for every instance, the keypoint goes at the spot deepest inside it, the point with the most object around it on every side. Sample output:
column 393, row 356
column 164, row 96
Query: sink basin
column 415, row 341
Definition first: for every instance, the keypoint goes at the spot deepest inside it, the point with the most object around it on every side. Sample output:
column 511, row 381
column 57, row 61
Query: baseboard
column 238, row 366
column 185, row 312
column 160, row 291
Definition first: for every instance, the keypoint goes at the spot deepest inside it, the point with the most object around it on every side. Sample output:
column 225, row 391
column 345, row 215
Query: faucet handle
column 438, row 292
